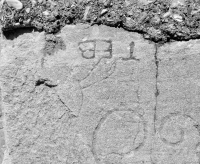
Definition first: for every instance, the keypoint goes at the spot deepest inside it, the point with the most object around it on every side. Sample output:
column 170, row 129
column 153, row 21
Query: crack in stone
column 82, row 98
column 156, row 85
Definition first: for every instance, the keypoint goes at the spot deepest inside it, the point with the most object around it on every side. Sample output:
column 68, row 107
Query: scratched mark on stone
column 103, row 72
column 119, row 132
column 70, row 94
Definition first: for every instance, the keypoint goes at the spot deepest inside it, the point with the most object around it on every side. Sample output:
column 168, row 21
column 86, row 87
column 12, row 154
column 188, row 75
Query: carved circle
column 177, row 128
column 117, row 134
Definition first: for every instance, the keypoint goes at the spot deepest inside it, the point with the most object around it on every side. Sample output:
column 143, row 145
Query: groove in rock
column 156, row 85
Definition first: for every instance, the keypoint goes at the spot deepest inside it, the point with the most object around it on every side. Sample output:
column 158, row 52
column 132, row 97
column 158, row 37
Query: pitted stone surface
column 109, row 97
column 90, row 103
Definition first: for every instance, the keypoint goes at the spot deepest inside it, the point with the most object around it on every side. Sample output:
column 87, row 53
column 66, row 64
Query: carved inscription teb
column 91, row 48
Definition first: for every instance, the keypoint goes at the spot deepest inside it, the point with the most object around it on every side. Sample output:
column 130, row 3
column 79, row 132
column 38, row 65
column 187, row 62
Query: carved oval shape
column 118, row 132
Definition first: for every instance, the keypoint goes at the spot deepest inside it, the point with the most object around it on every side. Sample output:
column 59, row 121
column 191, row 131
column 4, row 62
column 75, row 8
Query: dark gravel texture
column 159, row 21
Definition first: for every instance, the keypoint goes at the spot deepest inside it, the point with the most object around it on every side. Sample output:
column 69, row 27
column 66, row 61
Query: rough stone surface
column 108, row 97
column 90, row 103
column 178, row 113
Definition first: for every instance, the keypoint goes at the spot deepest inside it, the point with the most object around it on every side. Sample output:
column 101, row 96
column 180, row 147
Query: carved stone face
column 108, row 97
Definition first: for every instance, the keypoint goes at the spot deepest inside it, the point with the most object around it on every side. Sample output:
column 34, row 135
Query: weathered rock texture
column 105, row 96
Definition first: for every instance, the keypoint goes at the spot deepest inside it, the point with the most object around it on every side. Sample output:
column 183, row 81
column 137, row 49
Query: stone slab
column 92, row 103
column 178, row 113
column 108, row 97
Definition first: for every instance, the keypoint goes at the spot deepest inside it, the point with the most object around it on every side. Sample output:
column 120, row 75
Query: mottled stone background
column 90, row 94
column 103, row 95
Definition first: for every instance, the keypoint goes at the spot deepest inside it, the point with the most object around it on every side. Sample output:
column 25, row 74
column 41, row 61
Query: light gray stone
column 91, row 103
column 6, row 159
column 109, row 97
column 178, row 115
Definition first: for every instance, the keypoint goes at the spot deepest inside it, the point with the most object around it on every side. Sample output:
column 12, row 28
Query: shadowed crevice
column 45, row 82
column 14, row 33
